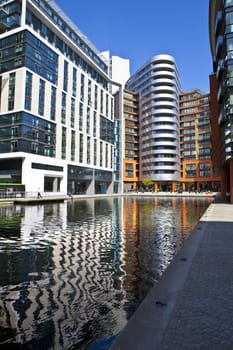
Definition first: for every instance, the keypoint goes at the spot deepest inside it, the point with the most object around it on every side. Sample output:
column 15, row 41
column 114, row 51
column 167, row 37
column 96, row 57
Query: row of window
column 160, row 155
column 22, row 132
column 34, row 54
column 55, row 41
column 65, row 28
column 159, row 172
column 194, row 174
column 106, row 126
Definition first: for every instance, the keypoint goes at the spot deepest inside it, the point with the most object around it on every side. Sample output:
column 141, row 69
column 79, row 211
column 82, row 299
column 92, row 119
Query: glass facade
column 197, row 172
column 222, row 31
column 221, row 45
column 23, row 132
column 25, row 50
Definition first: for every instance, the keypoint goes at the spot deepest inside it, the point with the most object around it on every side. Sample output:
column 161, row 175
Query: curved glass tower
column 158, row 85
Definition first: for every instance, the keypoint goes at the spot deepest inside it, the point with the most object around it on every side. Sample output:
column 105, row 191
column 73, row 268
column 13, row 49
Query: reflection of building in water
column 153, row 232
column 80, row 268
column 69, row 255
column 34, row 216
column 151, row 235
column 10, row 220
column 130, row 237
column 192, row 210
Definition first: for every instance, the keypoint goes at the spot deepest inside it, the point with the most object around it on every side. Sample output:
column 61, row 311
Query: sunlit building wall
column 119, row 70
column 56, row 106
column 197, row 171
column 158, row 85
column 130, row 140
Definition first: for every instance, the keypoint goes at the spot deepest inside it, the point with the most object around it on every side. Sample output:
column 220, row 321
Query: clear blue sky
column 138, row 30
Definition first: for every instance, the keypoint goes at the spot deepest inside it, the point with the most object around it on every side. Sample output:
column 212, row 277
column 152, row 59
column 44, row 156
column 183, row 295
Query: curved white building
column 158, row 85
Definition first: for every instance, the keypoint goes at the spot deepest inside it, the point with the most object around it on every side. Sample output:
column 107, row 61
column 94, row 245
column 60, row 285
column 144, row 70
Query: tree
column 147, row 183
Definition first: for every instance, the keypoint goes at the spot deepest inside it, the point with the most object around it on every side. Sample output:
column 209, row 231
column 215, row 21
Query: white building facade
column 56, row 106
column 158, row 85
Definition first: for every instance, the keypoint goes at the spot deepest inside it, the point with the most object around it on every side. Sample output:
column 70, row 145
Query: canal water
column 72, row 274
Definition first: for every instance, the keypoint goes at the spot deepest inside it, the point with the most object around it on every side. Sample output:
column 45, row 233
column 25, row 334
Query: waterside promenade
column 191, row 307
column 33, row 198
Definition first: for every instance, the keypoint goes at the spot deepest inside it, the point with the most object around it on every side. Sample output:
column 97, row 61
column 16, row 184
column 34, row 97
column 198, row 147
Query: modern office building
column 221, row 44
column 56, row 106
column 197, row 171
column 158, row 85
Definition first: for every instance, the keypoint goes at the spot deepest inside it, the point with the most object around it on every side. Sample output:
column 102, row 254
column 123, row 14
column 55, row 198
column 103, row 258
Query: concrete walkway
column 29, row 199
column 191, row 307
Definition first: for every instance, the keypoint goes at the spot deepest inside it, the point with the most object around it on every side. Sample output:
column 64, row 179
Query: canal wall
column 191, row 305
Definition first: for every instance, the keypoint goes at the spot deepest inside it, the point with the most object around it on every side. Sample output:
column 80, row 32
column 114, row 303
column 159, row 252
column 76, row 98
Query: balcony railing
column 218, row 22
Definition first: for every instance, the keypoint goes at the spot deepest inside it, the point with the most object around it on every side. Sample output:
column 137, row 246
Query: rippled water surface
column 71, row 274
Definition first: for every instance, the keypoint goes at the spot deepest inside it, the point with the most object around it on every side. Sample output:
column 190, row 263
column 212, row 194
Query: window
column 80, row 116
column 63, row 108
column 74, row 83
column 96, row 97
column 95, row 151
column 82, row 87
column 88, row 150
column 129, row 170
column 41, row 97
column 72, row 146
column 101, row 153
column 89, row 101
column 28, row 91
column 72, row 112
column 11, row 92
column 63, row 143
column 204, row 170
column 88, row 121
column 101, row 101
column 65, row 76
column 81, row 148
column 53, row 103
column 94, row 123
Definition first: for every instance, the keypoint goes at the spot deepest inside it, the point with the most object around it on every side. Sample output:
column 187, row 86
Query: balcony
column 221, row 118
column 220, row 69
column 221, row 93
column 219, row 46
column 218, row 23
column 3, row 21
column 228, row 3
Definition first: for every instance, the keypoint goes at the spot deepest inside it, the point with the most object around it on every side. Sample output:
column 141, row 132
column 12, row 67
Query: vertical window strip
column 11, row 92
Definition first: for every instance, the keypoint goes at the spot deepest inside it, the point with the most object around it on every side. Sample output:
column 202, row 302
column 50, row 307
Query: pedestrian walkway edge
column 145, row 329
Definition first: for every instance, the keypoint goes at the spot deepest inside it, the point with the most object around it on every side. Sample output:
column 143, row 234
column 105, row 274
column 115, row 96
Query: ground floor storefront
column 38, row 176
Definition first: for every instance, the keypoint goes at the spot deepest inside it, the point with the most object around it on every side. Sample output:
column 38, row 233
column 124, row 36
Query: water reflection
column 72, row 273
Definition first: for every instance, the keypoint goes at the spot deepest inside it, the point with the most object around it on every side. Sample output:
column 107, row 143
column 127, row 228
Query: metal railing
column 14, row 194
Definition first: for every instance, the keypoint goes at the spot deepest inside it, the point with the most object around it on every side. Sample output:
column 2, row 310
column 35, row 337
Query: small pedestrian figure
column 39, row 195
column 228, row 196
